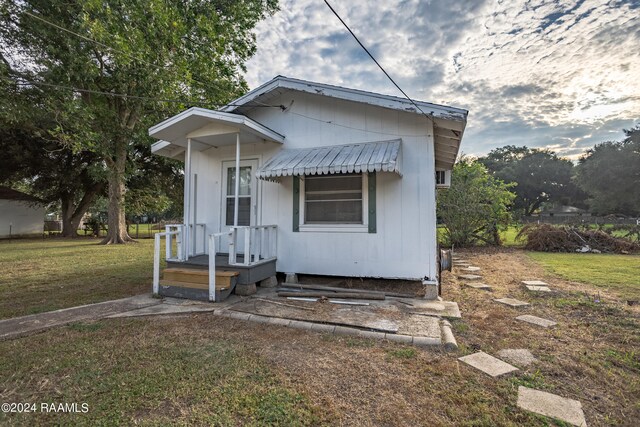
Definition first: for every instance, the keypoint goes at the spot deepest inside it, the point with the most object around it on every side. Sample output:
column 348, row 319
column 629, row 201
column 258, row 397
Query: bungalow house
column 20, row 214
column 303, row 177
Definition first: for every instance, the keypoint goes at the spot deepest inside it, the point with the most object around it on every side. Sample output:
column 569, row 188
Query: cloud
column 556, row 74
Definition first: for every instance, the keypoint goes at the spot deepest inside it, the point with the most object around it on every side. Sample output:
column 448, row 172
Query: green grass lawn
column 509, row 236
column 159, row 372
column 38, row 275
column 618, row 273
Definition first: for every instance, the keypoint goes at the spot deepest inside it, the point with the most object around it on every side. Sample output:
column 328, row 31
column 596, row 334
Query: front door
column 247, row 200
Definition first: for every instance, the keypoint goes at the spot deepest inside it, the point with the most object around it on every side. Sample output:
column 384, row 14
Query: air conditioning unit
column 443, row 178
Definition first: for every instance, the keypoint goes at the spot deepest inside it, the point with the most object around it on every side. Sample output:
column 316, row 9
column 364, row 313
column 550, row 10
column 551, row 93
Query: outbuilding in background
column 20, row 214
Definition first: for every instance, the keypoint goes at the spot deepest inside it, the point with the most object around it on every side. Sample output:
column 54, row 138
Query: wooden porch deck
column 247, row 273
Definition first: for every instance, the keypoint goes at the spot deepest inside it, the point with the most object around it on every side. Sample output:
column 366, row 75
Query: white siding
column 405, row 243
column 22, row 217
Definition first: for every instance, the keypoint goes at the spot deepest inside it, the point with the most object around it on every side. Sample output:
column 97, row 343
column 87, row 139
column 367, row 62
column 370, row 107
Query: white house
column 303, row 177
column 20, row 214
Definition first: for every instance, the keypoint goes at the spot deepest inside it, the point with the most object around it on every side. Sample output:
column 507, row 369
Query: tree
column 541, row 176
column 124, row 65
column 476, row 206
column 51, row 171
column 610, row 174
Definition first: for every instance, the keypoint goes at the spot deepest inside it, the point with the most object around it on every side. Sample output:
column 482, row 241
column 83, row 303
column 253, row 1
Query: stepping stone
column 518, row 356
column 536, row 288
column 488, row 364
column 551, row 405
column 534, row 283
column 471, row 269
column 512, row 302
column 482, row 286
column 469, row 277
column 536, row 320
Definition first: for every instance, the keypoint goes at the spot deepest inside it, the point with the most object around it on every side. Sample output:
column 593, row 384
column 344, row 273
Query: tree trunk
column 71, row 217
column 117, row 227
column 68, row 229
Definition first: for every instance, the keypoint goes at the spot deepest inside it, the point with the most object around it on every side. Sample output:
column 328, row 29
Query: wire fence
column 136, row 231
column 579, row 220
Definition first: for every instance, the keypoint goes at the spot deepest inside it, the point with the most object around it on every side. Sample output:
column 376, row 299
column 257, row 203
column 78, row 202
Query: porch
column 193, row 273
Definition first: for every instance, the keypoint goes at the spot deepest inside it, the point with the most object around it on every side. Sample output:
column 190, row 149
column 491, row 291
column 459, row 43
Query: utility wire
column 39, row 18
column 377, row 63
column 137, row 58
column 122, row 95
column 289, row 110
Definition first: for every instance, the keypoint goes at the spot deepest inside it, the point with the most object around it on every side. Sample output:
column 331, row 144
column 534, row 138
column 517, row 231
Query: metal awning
column 381, row 156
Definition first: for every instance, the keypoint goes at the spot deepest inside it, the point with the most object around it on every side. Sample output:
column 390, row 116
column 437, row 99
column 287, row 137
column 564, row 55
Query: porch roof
column 207, row 129
column 381, row 156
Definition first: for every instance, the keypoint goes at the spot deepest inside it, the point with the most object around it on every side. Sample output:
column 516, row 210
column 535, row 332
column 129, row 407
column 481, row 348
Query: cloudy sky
column 557, row 74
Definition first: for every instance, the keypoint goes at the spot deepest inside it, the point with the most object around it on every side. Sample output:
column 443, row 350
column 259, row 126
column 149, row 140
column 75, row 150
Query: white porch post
column 186, row 238
column 237, row 189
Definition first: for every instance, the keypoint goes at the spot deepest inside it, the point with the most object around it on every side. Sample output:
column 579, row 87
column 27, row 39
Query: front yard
column 39, row 275
column 207, row 370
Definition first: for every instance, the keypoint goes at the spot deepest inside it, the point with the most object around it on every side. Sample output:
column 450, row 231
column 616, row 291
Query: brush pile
column 551, row 238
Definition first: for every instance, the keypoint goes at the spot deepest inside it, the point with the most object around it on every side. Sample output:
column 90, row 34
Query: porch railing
column 198, row 239
column 197, row 242
column 156, row 254
column 171, row 230
column 260, row 244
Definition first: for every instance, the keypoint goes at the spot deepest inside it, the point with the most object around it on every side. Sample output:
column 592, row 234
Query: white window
column 333, row 199
column 443, row 178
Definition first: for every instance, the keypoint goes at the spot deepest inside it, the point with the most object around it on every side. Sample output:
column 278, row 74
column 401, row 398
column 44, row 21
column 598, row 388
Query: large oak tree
column 129, row 64
column 541, row 176
column 610, row 174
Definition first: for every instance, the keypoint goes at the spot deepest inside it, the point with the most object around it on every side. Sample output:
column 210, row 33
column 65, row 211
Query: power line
column 374, row 60
column 99, row 92
column 106, row 46
column 288, row 109
column 92, row 40
column 120, row 95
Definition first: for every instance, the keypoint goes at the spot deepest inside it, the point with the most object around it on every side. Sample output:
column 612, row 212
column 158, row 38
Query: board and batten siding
column 404, row 244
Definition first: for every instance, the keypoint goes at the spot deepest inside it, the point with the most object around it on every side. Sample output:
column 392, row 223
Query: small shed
column 20, row 214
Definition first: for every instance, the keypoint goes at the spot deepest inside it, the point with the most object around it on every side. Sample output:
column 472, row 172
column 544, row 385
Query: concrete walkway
column 20, row 326
column 430, row 312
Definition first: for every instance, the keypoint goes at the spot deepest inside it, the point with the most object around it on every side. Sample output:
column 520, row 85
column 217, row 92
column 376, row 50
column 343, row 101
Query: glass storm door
column 247, row 206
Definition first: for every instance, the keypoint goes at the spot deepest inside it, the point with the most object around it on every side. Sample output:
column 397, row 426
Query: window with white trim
column 333, row 199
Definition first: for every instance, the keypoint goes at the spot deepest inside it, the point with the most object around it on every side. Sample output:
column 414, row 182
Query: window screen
column 333, row 199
